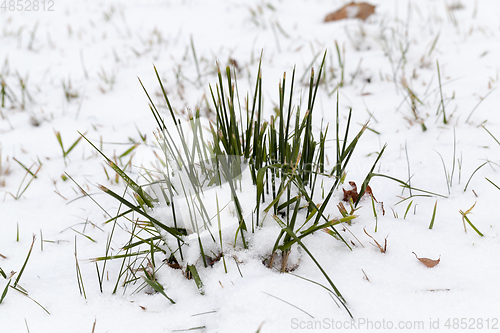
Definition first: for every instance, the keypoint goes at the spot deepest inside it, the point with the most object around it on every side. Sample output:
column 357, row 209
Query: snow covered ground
column 70, row 67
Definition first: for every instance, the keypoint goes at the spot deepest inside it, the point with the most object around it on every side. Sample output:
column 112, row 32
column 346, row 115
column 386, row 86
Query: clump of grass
column 284, row 158
column 14, row 91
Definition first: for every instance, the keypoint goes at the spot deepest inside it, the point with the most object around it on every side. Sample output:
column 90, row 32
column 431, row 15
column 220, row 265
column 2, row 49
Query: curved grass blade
column 294, row 236
column 174, row 232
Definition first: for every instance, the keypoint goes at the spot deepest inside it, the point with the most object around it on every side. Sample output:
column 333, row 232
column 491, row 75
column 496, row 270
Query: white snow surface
column 98, row 49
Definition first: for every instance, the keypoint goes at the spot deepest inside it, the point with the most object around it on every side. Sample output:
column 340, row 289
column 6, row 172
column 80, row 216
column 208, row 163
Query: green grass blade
column 25, row 263
column 369, row 176
column 5, row 292
column 157, row 287
column 479, row 167
column 148, row 200
column 470, row 223
column 196, row 277
column 407, row 209
column 294, row 236
column 433, row 216
column 493, row 183
column 174, row 232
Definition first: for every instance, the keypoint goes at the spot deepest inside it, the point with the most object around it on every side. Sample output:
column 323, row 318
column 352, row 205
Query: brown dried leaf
column 172, row 263
column 351, row 194
column 428, row 262
column 359, row 10
column 368, row 190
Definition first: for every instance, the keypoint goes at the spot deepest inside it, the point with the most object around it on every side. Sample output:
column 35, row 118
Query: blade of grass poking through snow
column 374, row 213
column 292, row 305
column 195, row 59
column 25, row 293
column 405, row 185
column 146, row 198
column 81, row 233
column 465, row 218
column 87, row 194
column 127, row 251
column 446, row 177
column 369, row 176
column 220, row 233
column 64, row 151
column 441, row 104
column 4, row 293
column 292, row 234
column 493, row 183
column 308, row 68
column 21, row 190
column 494, row 138
column 332, row 293
column 25, row 263
column 477, row 105
column 433, row 215
column 454, row 154
column 174, row 232
column 341, row 64
column 150, row 280
column 315, row 228
column 479, row 167
column 407, row 209
column 79, row 277
column 25, row 168
column 196, row 277
column 408, row 164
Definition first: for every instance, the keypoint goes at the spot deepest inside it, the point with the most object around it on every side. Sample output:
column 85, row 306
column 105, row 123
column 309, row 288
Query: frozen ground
column 74, row 69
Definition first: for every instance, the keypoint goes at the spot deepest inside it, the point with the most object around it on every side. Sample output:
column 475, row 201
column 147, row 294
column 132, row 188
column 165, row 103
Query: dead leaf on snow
column 428, row 262
column 353, row 10
column 351, row 194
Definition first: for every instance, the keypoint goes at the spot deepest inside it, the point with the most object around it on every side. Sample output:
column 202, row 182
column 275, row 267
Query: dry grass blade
column 383, row 249
column 465, row 218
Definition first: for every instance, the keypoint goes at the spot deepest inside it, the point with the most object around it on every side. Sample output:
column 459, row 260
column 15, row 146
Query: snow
column 99, row 50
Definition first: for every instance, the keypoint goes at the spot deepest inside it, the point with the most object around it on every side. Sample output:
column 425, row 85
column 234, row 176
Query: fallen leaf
column 172, row 263
column 351, row 194
column 428, row 262
column 353, row 10
column 369, row 191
